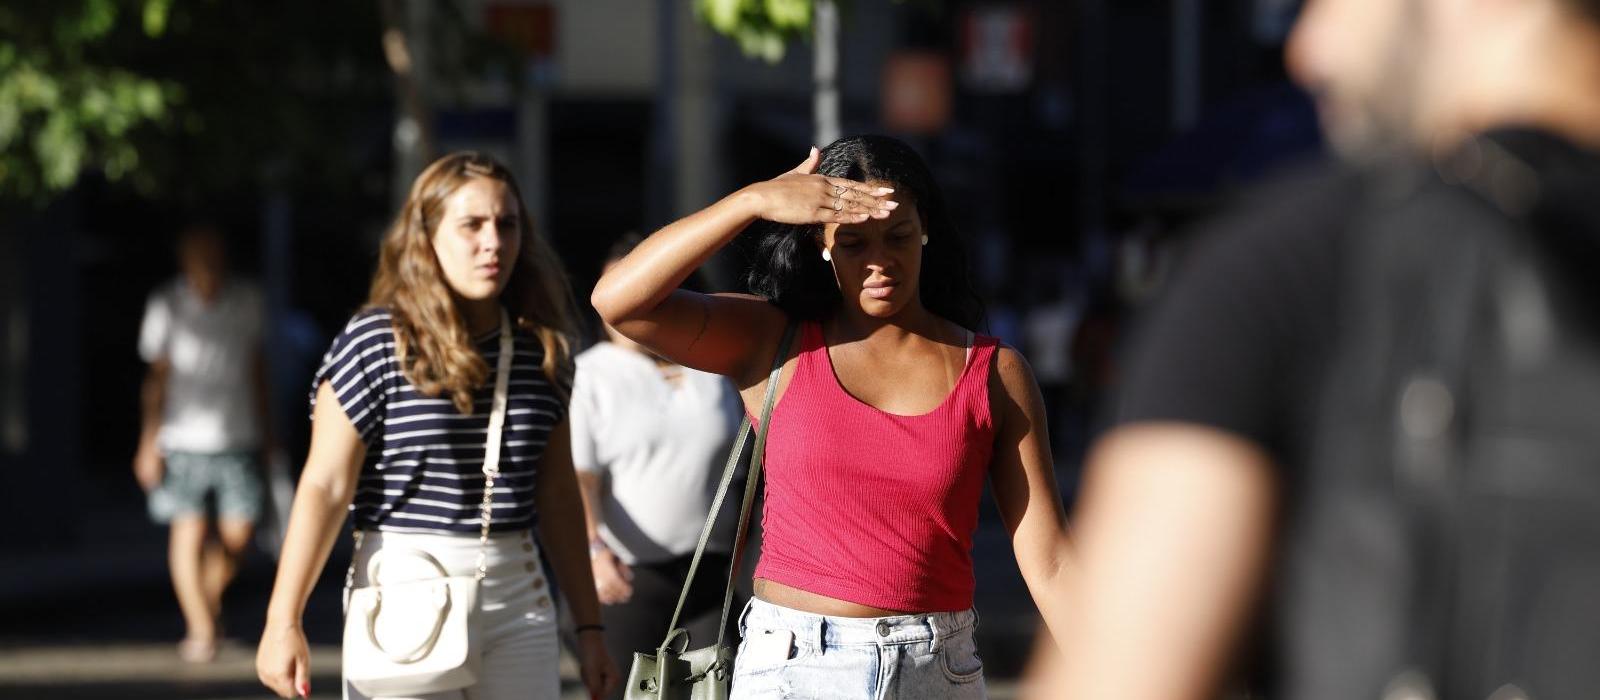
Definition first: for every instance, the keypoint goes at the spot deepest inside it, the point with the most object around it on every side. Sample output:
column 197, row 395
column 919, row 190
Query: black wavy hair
column 788, row 271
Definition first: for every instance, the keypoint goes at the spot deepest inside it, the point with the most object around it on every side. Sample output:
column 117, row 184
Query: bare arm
column 327, row 485
column 589, row 487
column 712, row 332
column 1173, row 535
column 613, row 579
column 561, row 531
column 147, row 460
column 727, row 334
column 1025, row 489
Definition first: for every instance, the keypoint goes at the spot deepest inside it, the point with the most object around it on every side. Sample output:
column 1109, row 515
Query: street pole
column 825, row 73
column 1187, row 59
column 405, row 46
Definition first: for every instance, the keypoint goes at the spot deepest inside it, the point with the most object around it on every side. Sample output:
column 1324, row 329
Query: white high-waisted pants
column 520, row 647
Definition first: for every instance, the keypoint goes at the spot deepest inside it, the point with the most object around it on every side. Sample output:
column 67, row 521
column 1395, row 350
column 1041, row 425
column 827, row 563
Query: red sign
column 997, row 48
column 529, row 27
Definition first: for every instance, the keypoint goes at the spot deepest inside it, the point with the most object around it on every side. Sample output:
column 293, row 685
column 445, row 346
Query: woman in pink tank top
column 891, row 414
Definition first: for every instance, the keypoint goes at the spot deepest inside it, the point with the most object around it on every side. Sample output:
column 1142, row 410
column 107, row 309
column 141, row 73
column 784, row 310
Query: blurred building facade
column 1054, row 127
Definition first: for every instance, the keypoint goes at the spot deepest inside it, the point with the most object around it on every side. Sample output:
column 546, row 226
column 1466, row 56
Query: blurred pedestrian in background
column 401, row 408
column 1376, row 390
column 649, row 439
column 1048, row 331
column 204, row 426
column 891, row 412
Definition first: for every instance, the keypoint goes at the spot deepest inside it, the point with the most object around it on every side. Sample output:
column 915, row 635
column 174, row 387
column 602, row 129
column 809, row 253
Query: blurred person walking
column 465, row 335
column 204, row 427
column 1375, row 390
column 649, row 438
column 1049, row 329
column 891, row 412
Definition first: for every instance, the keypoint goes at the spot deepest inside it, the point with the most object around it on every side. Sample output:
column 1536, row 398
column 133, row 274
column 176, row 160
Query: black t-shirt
column 1243, row 341
column 1239, row 340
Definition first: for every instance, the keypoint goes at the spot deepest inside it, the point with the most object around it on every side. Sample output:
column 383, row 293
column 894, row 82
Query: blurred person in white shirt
column 649, row 441
column 203, row 429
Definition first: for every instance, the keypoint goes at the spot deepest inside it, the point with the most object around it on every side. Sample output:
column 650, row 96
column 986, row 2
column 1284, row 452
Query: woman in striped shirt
column 400, row 411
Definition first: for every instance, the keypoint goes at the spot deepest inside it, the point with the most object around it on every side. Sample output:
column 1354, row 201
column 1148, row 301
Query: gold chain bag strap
column 674, row 672
column 420, row 635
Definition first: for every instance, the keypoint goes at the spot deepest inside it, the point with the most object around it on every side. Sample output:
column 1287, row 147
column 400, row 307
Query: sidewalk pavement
column 146, row 671
column 153, row 672
column 99, row 621
column 117, row 545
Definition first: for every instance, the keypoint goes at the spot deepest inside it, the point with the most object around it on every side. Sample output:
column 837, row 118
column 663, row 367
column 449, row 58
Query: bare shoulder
column 740, row 297
column 744, row 312
column 1013, row 393
column 754, row 388
column 747, row 309
column 747, row 324
column 1011, row 373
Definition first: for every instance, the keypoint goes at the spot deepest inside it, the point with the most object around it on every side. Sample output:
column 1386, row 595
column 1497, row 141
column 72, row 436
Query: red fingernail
column 305, row 689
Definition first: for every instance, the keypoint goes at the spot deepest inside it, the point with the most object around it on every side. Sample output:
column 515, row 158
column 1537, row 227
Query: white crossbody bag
column 420, row 635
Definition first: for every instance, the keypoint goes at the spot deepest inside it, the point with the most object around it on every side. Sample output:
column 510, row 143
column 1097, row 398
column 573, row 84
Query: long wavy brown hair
column 431, row 339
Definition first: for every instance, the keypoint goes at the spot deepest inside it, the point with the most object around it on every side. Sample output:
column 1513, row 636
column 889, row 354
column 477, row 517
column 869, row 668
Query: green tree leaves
column 189, row 100
column 763, row 28
column 64, row 108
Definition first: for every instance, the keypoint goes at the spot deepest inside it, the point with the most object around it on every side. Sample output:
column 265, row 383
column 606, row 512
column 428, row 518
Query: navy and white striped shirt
column 424, row 465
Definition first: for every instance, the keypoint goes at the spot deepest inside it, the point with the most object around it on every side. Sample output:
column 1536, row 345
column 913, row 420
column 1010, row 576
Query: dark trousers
column 641, row 623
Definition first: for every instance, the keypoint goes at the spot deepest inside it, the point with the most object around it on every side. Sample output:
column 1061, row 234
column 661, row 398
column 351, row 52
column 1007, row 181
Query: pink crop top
column 871, row 507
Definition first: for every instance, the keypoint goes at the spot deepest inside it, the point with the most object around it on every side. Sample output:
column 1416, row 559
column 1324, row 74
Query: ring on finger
column 838, row 190
column 838, row 204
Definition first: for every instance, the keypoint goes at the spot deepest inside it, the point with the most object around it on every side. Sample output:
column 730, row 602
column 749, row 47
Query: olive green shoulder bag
column 673, row 671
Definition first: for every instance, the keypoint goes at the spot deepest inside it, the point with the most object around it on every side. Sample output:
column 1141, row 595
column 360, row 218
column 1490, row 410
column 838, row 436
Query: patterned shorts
column 232, row 478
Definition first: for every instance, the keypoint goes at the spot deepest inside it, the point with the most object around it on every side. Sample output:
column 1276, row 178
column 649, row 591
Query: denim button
column 883, row 629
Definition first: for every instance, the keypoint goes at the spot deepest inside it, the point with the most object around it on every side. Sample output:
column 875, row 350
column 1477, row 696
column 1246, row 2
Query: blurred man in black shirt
column 1185, row 525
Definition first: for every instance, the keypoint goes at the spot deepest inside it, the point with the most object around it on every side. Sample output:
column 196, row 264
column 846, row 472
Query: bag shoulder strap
column 752, row 479
column 491, row 444
column 491, row 454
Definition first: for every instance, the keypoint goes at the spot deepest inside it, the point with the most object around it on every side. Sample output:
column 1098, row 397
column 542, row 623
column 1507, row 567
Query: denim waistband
column 824, row 632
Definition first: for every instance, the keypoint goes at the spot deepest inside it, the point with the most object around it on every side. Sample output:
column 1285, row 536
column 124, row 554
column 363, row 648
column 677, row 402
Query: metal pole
column 406, row 49
column 825, row 72
column 662, row 187
column 1187, row 58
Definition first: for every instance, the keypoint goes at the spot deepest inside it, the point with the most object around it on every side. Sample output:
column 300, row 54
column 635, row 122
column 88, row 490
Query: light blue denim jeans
column 930, row 656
